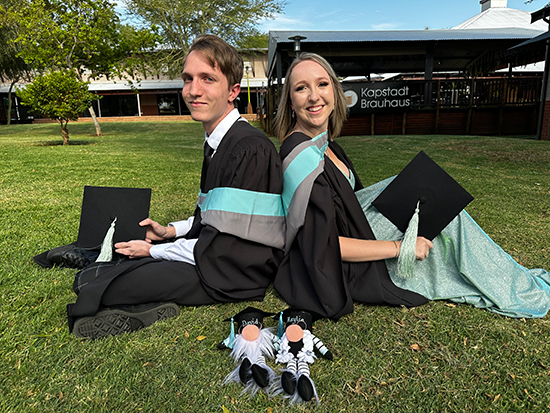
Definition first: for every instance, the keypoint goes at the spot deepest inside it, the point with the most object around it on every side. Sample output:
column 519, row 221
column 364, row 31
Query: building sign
column 366, row 97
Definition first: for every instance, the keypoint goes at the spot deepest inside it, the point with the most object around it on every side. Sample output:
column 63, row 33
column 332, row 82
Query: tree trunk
column 91, row 109
column 8, row 115
column 64, row 132
column 9, row 102
column 96, row 123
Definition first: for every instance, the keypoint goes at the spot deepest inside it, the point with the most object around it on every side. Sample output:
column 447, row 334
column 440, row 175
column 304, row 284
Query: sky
column 328, row 15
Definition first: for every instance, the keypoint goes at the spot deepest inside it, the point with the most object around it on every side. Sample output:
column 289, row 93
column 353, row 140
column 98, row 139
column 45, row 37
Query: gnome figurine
column 296, row 350
column 250, row 344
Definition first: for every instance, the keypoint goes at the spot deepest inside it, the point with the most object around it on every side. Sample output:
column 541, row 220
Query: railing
column 457, row 93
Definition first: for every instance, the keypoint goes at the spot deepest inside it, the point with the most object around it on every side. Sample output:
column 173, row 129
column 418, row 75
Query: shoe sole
column 111, row 322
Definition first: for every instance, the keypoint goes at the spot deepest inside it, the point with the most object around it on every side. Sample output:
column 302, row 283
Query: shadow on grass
column 60, row 143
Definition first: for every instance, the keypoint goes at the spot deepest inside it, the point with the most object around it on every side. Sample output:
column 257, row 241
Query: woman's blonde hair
column 284, row 122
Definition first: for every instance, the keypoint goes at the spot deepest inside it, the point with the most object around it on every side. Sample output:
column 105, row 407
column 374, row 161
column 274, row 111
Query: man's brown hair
column 219, row 53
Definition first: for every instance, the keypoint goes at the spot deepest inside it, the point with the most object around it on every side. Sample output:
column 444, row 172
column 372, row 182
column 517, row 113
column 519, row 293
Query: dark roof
column 533, row 41
column 403, row 35
column 362, row 52
column 543, row 13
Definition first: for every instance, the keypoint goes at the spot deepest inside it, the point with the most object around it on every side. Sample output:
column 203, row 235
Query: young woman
column 334, row 257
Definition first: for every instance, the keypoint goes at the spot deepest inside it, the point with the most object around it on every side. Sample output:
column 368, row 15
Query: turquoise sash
column 254, row 216
column 300, row 169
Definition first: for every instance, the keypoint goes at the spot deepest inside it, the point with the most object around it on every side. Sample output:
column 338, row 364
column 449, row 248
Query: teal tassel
column 230, row 340
column 280, row 329
column 106, row 253
column 407, row 254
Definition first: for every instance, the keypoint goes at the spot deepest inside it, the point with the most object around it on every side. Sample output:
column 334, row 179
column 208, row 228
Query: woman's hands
column 357, row 250
column 423, row 247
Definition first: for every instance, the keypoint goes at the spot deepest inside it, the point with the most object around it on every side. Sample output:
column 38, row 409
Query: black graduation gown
column 228, row 268
column 233, row 268
column 312, row 274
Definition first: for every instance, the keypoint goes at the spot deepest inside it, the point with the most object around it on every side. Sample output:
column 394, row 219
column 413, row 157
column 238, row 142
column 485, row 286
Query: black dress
column 228, row 267
column 312, row 274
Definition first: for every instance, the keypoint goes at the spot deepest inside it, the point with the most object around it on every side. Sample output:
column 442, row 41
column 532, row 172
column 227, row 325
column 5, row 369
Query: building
column 449, row 80
column 153, row 97
column 436, row 59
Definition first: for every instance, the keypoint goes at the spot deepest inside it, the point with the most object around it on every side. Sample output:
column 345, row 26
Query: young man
column 229, row 250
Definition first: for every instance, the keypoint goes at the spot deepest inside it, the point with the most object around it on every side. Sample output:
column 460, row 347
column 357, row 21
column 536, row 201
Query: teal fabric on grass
column 465, row 266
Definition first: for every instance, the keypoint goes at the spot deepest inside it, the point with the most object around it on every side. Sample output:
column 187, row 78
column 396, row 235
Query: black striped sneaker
column 119, row 320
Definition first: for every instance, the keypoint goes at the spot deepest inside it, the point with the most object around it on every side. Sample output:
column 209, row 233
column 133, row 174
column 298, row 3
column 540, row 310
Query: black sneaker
column 113, row 321
column 55, row 256
column 71, row 256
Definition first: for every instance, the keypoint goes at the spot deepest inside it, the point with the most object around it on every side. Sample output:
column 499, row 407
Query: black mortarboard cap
column 248, row 316
column 100, row 206
column 441, row 197
column 299, row 316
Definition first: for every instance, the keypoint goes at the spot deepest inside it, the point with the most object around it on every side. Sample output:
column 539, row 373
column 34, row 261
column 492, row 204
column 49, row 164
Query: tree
column 61, row 96
column 180, row 21
column 12, row 67
column 84, row 36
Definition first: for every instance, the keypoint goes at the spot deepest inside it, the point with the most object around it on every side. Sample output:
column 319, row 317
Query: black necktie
column 208, row 151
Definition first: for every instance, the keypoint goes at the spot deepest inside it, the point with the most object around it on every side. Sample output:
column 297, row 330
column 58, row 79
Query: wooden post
column 261, row 111
column 404, row 125
column 428, row 74
column 269, row 104
column 437, row 106
column 503, row 93
column 372, row 124
column 470, row 109
column 543, row 135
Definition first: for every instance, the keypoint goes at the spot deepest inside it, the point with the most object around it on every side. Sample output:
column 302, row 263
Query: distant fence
column 458, row 107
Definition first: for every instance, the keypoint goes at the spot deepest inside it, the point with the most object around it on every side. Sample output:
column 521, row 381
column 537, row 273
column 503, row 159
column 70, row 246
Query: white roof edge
column 144, row 85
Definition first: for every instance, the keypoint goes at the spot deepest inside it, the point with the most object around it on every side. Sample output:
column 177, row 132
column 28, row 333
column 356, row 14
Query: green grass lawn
column 436, row 358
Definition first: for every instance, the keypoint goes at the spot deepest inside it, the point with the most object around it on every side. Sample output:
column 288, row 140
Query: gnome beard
column 251, row 348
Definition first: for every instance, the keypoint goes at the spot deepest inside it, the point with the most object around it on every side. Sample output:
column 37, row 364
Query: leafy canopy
column 83, row 35
column 58, row 95
column 180, row 21
column 61, row 96
column 12, row 67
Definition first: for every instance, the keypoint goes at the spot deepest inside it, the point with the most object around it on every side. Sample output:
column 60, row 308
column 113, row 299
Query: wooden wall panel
column 484, row 121
column 420, row 122
column 452, row 122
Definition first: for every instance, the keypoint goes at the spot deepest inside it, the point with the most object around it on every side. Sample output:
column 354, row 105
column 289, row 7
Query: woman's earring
column 293, row 113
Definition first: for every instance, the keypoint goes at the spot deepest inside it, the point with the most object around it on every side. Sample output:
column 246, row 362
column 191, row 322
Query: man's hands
column 133, row 249
column 140, row 249
column 157, row 232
